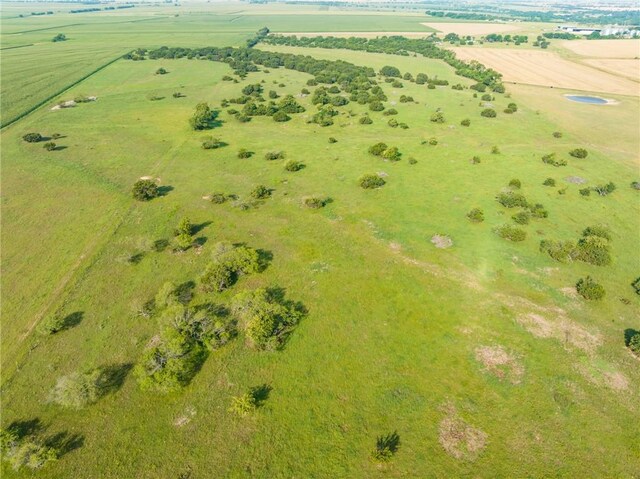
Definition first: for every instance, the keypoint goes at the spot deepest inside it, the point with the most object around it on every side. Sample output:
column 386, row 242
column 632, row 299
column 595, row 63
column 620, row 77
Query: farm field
column 615, row 49
column 548, row 69
column 473, row 355
column 469, row 28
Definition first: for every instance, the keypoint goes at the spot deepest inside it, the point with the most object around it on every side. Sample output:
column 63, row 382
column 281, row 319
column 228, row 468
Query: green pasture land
column 393, row 325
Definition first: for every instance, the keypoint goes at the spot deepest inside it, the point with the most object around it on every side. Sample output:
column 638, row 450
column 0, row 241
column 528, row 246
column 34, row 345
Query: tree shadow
column 135, row 258
column 26, row 428
column 261, row 394
column 112, row 377
column 628, row 334
column 390, row 442
column 200, row 240
column 265, row 258
column 160, row 245
column 60, row 148
column 164, row 190
column 195, row 229
column 195, row 360
column 64, row 442
column 184, row 292
column 218, row 310
column 72, row 320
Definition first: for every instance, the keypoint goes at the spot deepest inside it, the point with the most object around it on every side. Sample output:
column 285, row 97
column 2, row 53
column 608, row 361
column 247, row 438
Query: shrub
column 512, row 107
column 51, row 324
column 314, row 202
column 475, row 160
column 550, row 159
column 412, row 160
column 585, row 191
column 557, row 134
column 579, row 153
column 635, row 185
column 212, row 143
column 76, row 390
column 274, row 155
column 589, row 289
column 594, row 250
column 281, row 116
column 391, row 154
column 549, row 182
column 376, row 106
column 244, row 404
column 49, row 146
column 476, row 215
column 437, row 117
column 228, row 264
column 406, row 99
column 390, row 111
column 515, row 184
column 145, row 190
column 465, row 122
column 397, row 84
column 161, row 71
column 488, row 113
column 244, row 153
column 332, row 140
column 370, row 181
column 512, row 200
column 203, row 118
column 393, row 123
column 260, row 192
column 421, row 78
column 598, row 230
column 495, row 150
column 510, row 233
column 486, row 97
column 25, row 452
column 538, row 211
column 365, row 120
column 634, row 343
column 218, row 198
column 183, row 241
column 293, row 165
column 378, row 149
column 561, row 251
column 604, row 190
column 389, row 71
column 431, row 86
column 32, row 137
column 273, row 94
column 522, row 218
column 433, row 141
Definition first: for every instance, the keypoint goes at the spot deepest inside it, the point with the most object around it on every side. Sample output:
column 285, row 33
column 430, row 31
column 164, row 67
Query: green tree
column 145, row 190
column 589, row 289
column 32, row 137
column 204, row 117
column 389, row 71
column 76, row 390
column 371, row 181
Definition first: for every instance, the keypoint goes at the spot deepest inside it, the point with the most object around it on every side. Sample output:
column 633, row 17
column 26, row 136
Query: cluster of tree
column 24, row 451
column 89, row 10
column 593, row 248
column 260, row 34
column 511, row 199
column 541, row 42
column 386, row 152
column 227, row 265
column 602, row 190
column 561, row 35
column 371, row 181
column 396, row 45
column 551, row 159
column 497, row 38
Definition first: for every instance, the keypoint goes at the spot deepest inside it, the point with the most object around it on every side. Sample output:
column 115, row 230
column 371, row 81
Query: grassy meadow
column 391, row 338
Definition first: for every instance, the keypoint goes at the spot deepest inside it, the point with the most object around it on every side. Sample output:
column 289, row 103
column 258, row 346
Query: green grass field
column 393, row 325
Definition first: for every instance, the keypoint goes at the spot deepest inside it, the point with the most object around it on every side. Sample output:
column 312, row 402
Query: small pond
column 593, row 100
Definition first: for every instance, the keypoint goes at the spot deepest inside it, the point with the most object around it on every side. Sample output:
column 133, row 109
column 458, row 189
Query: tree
column 389, row 71
column 378, row 149
column 371, row 181
column 260, row 192
column 161, row 71
column 476, row 215
column 76, row 390
column 243, row 153
column 293, row 165
column 60, row 37
column 49, row 146
column 281, row 116
column 32, row 137
column 24, row 451
column 489, row 113
column 579, row 153
column 145, row 190
column 589, row 289
column 465, row 122
column 203, row 118
column 437, row 117
column 421, row 78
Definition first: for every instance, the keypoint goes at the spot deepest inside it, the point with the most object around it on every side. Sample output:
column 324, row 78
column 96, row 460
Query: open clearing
column 548, row 69
column 604, row 48
column 474, row 28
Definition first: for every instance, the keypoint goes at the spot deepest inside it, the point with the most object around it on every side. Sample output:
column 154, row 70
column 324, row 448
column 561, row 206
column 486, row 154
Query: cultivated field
column 604, row 48
column 475, row 350
column 473, row 28
column 548, row 69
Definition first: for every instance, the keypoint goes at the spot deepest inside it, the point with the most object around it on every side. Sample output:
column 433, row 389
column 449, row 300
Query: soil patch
column 458, row 438
column 442, row 241
column 502, row 364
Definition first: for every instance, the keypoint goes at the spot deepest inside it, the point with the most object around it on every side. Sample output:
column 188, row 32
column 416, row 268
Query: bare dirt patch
column 560, row 328
column 533, row 67
column 604, row 376
column 499, row 362
column 604, row 48
column 576, row 180
column 458, row 438
column 442, row 241
column 473, row 28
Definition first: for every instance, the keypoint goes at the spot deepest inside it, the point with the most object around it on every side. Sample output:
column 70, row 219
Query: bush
column 412, row 160
column 204, row 117
column 538, row 211
column 476, row 215
column 557, row 134
column 512, row 200
column 589, row 289
column 433, row 141
column 522, row 218
column 145, row 190
column 391, row 154
column 32, row 137
column 515, row 184
column 585, row 191
column 49, row 146
column 365, row 120
column 212, row 143
column 389, row 71
column 634, row 343
column 598, row 230
column 281, row 116
column 579, row 153
column 486, row 97
column 244, row 153
column 437, row 117
column 332, row 140
column 218, row 198
column 161, row 71
column 562, row 251
column 293, row 165
column 390, row 111
column 314, row 202
column 260, row 192
column 511, row 233
column 495, row 150
column 244, row 404
column 274, row 155
column 465, row 122
column 376, row 106
column 393, row 123
column 550, row 159
column 76, row 390
column 371, row 181
column 512, row 107
column 549, row 182
column 489, row 113
column 378, row 149
column 476, row 160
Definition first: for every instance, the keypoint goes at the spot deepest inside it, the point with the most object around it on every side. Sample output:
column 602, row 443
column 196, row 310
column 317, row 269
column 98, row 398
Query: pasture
column 480, row 356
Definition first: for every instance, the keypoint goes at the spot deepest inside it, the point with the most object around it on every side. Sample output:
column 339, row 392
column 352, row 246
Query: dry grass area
column 458, row 438
column 499, row 362
column 358, row 34
column 442, row 241
column 548, row 69
column 474, row 28
column 628, row 68
column 559, row 327
column 604, row 48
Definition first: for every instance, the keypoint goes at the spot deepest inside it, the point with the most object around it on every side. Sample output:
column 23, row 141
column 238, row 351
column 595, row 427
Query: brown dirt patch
column 473, row 28
column 560, row 328
column 499, row 362
column 544, row 68
column 576, row 180
column 616, row 380
column 442, row 241
column 460, row 439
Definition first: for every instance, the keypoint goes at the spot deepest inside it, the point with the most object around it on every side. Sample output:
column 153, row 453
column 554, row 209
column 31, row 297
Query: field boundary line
column 17, row 46
column 58, row 93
